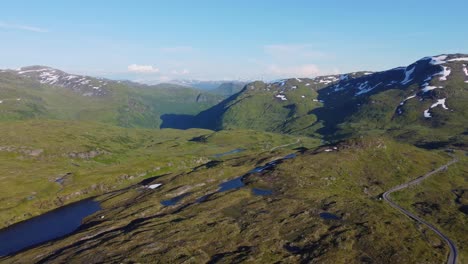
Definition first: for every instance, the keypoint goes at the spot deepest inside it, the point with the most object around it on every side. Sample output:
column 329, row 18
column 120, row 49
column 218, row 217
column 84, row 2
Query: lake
column 45, row 227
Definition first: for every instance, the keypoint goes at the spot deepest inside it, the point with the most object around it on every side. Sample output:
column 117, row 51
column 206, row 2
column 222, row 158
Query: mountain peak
column 84, row 85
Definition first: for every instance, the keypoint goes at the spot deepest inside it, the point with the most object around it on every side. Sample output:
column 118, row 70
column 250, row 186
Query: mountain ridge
column 45, row 92
column 332, row 106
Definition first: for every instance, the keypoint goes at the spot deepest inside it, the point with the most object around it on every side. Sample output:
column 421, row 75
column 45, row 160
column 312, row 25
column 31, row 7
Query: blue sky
column 163, row 40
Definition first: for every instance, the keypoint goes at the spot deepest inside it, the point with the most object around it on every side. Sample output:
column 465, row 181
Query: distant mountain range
column 223, row 87
column 207, row 85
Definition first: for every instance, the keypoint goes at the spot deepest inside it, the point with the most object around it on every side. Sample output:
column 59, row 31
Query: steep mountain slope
column 44, row 92
column 281, row 106
column 426, row 101
column 423, row 103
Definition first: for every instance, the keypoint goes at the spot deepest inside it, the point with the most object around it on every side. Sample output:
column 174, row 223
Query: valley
column 298, row 170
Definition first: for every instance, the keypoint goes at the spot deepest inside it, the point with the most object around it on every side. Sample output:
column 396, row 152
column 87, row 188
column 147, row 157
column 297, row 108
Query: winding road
column 452, row 258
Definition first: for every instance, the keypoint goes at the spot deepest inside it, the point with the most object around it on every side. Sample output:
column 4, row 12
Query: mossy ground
column 35, row 153
column 439, row 200
column 238, row 226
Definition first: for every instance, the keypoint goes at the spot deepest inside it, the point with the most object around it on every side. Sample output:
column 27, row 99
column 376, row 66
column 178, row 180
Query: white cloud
column 142, row 68
column 306, row 70
column 22, row 27
column 294, row 50
column 181, row 72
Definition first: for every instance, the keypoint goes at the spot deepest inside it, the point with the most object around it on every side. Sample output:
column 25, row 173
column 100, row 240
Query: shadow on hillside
column 178, row 121
column 208, row 119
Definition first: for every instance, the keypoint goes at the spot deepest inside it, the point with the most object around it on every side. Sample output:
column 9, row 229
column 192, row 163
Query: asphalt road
column 452, row 258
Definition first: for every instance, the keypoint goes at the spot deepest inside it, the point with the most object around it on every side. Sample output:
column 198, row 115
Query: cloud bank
column 135, row 68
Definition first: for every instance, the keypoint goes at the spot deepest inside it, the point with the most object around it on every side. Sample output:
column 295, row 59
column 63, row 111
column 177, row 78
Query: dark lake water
column 238, row 182
column 48, row 226
column 175, row 200
column 464, row 209
column 261, row 192
column 329, row 216
column 232, row 184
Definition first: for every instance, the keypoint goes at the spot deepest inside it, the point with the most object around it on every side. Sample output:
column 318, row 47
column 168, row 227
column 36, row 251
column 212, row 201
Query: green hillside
column 119, row 103
column 423, row 103
column 259, row 106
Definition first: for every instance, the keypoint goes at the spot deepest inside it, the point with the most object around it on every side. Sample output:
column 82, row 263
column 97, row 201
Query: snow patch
column 426, row 87
column 303, row 96
column 154, row 186
column 299, row 80
column 365, row 88
column 407, row 98
column 325, row 81
column 445, row 72
column 307, row 84
column 408, row 73
column 465, row 70
column 427, row 114
column 438, row 60
column 69, row 77
column 38, row 70
column 329, row 79
column 48, row 77
column 440, row 102
column 282, row 97
column 459, row 59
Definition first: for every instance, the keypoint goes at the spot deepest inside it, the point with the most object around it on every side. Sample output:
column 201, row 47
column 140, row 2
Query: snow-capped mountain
column 427, row 94
column 84, row 85
column 419, row 79
column 205, row 85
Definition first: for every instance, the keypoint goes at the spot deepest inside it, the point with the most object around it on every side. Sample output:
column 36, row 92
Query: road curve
column 452, row 258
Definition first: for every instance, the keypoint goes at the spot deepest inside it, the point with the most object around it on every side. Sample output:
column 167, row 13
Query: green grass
column 129, row 156
column 435, row 201
column 238, row 226
column 257, row 108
